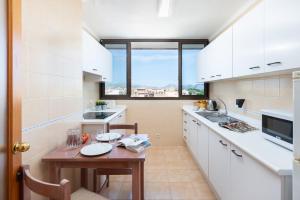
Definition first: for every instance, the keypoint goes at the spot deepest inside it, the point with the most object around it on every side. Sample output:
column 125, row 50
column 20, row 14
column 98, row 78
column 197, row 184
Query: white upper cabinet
column 221, row 58
column 282, row 35
column 248, row 43
column 215, row 60
column 95, row 58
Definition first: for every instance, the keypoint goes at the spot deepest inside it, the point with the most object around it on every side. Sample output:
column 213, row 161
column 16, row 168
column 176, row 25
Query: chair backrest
column 61, row 191
column 123, row 126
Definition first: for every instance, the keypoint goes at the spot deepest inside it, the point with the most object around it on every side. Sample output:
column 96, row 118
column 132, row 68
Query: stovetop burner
column 97, row 115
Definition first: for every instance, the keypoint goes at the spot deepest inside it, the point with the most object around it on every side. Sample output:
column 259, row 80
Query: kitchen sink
column 217, row 117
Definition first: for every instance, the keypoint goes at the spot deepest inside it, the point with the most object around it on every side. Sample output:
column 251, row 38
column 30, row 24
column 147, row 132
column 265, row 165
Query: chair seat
column 84, row 194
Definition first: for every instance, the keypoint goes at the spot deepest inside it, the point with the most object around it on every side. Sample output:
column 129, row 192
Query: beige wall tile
column 52, row 79
column 272, row 87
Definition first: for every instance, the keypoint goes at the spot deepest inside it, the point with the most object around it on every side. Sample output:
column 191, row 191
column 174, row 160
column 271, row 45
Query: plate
column 105, row 137
column 96, row 149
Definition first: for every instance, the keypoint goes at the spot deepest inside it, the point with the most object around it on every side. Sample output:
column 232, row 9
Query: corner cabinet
column 248, row 43
column 282, row 34
column 233, row 174
column 96, row 59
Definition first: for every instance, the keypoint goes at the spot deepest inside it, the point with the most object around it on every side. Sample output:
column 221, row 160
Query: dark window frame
column 127, row 42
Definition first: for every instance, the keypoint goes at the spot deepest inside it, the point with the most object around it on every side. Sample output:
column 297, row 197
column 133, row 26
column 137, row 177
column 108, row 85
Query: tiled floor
column 170, row 173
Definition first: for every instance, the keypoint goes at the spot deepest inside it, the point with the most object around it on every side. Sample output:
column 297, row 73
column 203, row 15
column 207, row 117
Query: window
column 118, row 84
column 190, row 85
column 154, row 69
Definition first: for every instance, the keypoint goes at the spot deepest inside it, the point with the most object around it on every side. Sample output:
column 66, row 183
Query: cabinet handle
column 104, row 78
column 185, row 122
column 274, row 63
column 235, row 153
column 219, row 75
column 199, row 124
column 256, row 67
column 225, row 145
column 202, row 78
column 95, row 69
column 194, row 120
column 212, row 76
column 185, row 129
column 120, row 116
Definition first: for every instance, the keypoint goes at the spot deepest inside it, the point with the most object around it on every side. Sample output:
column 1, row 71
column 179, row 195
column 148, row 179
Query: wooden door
column 14, row 96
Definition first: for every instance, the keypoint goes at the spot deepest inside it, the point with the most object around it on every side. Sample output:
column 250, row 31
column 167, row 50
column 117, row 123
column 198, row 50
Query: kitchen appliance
column 97, row 115
column 296, row 139
column 212, row 105
column 277, row 127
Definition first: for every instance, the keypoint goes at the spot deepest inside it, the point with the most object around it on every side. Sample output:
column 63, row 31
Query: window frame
column 127, row 42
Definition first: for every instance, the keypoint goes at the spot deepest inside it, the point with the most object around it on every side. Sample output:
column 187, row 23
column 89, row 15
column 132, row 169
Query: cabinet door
column 202, row 147
column 219, row 164
column 120, row 119
column 220, row 58
column 202, row 66
column 282, row 34
column 105, row 63
column 89, row 54
column 192, row 140
column 250, row 180
column 248, row 43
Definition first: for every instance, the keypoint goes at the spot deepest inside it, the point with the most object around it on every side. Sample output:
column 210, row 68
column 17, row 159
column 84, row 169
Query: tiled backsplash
column 273, row 92
column 52, row 78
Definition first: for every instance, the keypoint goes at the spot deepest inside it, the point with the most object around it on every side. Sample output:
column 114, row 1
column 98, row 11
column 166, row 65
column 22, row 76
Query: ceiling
column 190, row 19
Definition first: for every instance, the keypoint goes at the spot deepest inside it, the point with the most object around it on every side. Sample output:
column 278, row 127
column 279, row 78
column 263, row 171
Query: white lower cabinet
column 202, row 147
column 233, row 173
column 120, row 119
column 219, row 165
column 250, row 180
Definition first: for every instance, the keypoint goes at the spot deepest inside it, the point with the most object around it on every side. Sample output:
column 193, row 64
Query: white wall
column 3, row 80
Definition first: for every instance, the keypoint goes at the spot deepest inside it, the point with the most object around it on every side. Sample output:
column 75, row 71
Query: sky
column 157, row 68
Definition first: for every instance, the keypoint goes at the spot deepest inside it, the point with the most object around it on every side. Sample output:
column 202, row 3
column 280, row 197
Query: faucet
column 226, row 112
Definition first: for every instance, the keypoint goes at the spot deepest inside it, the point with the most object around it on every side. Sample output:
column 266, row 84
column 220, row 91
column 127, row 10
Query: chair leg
column 107, row 177
column 95, row 181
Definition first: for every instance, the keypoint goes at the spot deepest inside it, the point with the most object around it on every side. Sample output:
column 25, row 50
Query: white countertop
column 274, row 157
column 118, row 109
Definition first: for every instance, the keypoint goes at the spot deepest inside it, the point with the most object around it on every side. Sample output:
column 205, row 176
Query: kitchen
column 212, row 87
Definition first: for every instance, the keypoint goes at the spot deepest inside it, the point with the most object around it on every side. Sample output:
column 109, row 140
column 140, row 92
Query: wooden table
column 118, row 158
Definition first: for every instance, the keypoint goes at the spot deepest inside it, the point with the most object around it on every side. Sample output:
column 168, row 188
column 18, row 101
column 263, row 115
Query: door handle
column 221, row 142
column 256, row 67
column 235, row 153
column 20, row 147
column 274, row 63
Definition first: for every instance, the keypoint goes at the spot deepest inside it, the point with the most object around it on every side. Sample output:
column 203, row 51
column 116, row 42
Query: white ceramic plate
column 105, row 137
column 96, row 149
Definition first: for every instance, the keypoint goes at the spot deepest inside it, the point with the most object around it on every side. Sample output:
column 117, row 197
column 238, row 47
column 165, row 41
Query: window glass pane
column 190, row 86
column 154, row 69
column 117, row 86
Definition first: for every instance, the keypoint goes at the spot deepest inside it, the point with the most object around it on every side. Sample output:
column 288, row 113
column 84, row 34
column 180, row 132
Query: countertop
column 118, row 109
column 272, row 156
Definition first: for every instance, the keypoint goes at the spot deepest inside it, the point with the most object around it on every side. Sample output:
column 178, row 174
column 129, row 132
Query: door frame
column 14, row 96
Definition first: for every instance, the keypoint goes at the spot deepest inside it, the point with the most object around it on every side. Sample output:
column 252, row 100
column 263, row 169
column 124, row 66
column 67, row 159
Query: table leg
column 142, row 179
column 84, row 174
column 136, row 181
column 54, row 173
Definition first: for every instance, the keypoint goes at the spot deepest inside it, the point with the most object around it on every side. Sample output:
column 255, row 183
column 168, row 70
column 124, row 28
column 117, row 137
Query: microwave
column 277, row 127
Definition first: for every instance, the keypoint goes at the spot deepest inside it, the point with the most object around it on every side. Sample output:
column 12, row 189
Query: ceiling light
column 164, row 8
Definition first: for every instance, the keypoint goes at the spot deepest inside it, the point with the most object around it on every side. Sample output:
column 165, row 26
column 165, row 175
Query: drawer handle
column 95, row 69
column 235, row 153
column 199, row 124
column 120, row 116
column 274, row 63
column 185, row 129
column 221, row 142
column 256, row 67
column 185, row 122
column 202, row 78
column 219, row 75
column 194, row 120
column 212, row 76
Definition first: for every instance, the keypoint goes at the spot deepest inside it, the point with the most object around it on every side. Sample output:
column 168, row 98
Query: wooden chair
column 107, row 172
column 61, row 191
